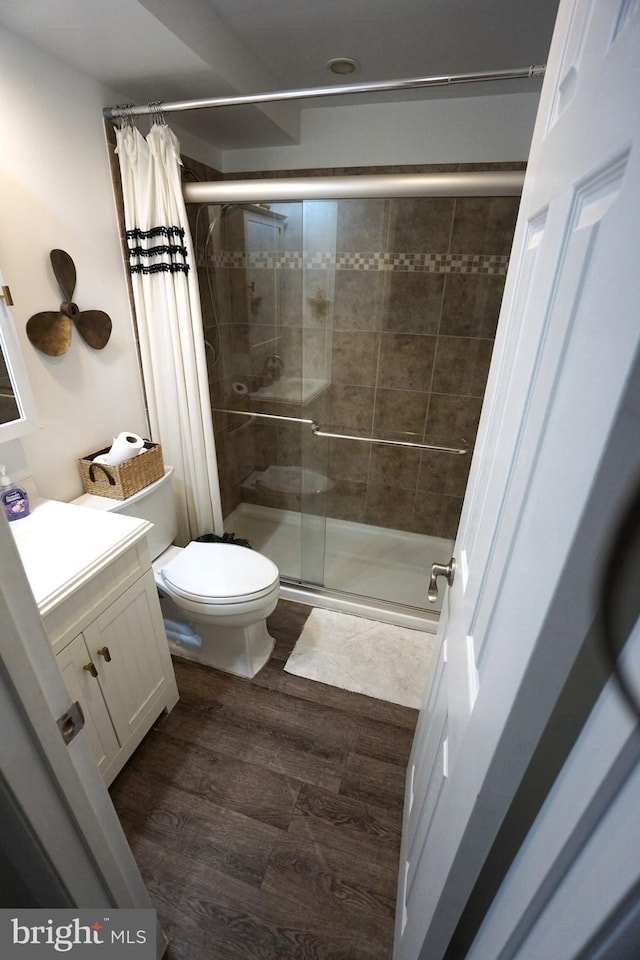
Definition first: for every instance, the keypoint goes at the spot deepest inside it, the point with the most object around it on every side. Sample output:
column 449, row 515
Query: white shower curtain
column 167, row 303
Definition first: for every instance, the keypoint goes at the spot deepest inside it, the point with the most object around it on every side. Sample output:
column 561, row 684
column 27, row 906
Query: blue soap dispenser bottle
column 14, row 499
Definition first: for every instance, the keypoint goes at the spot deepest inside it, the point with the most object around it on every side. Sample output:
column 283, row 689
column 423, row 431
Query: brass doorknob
column 448, row 571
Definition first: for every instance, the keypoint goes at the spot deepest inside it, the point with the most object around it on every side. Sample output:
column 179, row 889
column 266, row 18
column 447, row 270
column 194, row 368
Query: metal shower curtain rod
column 177, row 106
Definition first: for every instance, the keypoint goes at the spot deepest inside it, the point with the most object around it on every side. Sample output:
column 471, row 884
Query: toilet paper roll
column 125, row 447
column 240, row 387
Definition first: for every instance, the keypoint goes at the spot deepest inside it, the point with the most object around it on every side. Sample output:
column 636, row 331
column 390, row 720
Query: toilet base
column 240, row 650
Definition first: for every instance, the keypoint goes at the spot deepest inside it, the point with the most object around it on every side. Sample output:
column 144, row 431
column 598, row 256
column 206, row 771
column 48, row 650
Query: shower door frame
column 503, row 183
column 479, row 183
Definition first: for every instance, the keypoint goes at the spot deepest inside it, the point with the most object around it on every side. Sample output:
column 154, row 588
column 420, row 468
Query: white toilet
column 215, row 597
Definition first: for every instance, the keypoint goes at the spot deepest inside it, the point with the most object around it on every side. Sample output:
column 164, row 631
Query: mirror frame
column 19, row 378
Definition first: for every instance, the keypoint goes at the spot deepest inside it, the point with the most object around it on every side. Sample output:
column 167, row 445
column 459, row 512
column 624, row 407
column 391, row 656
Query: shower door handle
column 440, row 570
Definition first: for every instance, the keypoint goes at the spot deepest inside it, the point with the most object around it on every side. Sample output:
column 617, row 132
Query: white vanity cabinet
column 116, row 670
column 101, row 612
column 73, row 662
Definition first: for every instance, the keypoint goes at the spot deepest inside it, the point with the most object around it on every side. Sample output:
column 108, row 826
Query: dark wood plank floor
column 265, row 814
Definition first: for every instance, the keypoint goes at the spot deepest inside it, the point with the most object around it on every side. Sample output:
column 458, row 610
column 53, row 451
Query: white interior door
column 54, row 789
column 567, row 339
column 575, row 879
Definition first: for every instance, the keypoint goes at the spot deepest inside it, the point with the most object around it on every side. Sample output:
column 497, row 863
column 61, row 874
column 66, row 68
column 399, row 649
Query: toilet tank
column 154, row 502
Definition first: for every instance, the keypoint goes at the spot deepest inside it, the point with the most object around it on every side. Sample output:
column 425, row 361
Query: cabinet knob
column 104, row 652
column 90, row 668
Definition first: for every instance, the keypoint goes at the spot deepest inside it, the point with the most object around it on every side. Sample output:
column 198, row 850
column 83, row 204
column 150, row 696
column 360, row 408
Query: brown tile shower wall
column 411, row 351
column 407, row 318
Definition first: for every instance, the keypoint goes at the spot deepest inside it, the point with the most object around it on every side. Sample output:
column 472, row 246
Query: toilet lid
column 220, row 571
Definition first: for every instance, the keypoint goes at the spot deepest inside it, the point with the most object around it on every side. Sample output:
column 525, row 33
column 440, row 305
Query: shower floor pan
column 364, row 561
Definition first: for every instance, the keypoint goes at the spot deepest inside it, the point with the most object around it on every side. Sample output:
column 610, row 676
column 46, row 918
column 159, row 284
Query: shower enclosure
column 348, row 345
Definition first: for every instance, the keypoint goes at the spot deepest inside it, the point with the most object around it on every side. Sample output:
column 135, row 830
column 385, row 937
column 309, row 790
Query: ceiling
column 168, row 50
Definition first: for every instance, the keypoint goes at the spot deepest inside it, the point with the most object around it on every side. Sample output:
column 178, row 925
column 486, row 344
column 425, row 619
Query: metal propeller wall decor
column 50, row 331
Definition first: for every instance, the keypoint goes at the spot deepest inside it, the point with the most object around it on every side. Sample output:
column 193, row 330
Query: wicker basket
column 118, row 483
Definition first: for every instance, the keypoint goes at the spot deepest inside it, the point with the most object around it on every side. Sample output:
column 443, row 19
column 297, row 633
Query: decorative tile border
column 470, row 263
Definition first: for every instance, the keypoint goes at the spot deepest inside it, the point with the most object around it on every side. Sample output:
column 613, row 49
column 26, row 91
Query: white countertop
column 63, row 545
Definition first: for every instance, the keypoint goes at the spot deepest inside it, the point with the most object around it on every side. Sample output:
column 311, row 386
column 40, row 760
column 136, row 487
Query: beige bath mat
column 364, row 656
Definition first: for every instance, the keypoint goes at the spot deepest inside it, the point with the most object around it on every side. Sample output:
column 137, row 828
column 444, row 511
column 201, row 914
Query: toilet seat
column 212, row 573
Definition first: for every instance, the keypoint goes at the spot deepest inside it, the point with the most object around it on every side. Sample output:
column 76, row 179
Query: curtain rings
column 126, row 118
column 157, row 116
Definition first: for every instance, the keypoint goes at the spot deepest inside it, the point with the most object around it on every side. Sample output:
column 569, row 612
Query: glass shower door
column 389, row 517
column 319, row 226
column 374, row 319
column 272, row 300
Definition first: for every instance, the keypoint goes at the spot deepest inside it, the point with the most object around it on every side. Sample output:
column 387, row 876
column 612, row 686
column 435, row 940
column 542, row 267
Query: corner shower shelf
column 291, row 390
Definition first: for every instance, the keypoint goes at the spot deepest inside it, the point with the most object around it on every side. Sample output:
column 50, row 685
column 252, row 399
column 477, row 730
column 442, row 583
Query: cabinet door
column 86, row 690
column 129, row 647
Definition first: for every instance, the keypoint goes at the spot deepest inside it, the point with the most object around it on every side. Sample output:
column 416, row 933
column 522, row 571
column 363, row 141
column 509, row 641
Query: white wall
column 452, row 130
column 56, row 192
